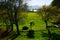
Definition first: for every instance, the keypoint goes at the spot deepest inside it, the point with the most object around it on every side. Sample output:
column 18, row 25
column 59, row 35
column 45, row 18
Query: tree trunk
column 11, row 26
column 10, row 14
column 16, row 21
column 17, row 27
column 49, row 33
column 46, row 24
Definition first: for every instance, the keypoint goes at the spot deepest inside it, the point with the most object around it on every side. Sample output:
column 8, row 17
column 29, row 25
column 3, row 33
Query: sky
column 32, row 4
column 39, row 2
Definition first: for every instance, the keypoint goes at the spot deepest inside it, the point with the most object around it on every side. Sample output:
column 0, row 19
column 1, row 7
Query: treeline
column 11, row 13
column 51, row 14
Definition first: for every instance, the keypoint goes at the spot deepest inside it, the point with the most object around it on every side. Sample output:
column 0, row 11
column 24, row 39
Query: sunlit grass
column 39, row 27
column 39, row 24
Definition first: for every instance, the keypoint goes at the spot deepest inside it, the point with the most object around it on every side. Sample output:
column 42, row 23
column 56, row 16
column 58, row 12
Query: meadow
column 40, row 28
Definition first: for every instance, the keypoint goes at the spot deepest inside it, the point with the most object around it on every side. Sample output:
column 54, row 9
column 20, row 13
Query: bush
column 30, row 34
column 25, row 28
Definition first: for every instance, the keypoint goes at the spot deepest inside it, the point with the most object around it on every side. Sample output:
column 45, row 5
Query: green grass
column 38, row 36
column 39, row 25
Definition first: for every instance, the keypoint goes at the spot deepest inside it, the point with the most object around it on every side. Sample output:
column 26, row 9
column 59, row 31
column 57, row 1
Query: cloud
column 39, row 2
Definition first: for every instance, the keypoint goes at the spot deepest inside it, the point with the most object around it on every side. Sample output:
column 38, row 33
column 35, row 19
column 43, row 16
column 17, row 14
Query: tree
column 4, row 18
column 56, row 3
column 14, row 19
column 12, row 11
column 48, row 13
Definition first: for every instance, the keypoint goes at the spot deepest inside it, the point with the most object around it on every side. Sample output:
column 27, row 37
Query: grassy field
column 39, row 24
column 39, row 27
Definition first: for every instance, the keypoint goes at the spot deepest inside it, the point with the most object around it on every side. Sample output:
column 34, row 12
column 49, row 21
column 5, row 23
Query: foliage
column 56, row 3
column 13, row 9
column 48, row 12
column 22, row 17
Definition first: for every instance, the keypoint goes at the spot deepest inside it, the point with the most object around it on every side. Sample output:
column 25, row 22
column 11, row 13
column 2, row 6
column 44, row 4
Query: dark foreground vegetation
column 18, row 23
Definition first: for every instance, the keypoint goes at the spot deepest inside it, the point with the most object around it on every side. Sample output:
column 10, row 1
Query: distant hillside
column 34, row 7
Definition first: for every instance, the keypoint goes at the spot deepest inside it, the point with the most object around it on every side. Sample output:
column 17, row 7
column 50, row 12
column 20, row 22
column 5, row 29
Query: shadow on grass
column 30, row 34
column 4, row 34
column 53, row 36
column 14, row 36
column 9, row 35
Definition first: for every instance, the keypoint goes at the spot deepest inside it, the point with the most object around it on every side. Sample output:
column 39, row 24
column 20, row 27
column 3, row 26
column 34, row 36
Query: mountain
column 34, row 7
